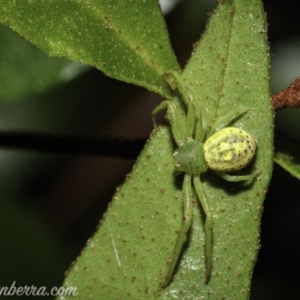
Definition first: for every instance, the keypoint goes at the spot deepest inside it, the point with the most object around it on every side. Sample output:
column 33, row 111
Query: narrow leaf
column 287, row 155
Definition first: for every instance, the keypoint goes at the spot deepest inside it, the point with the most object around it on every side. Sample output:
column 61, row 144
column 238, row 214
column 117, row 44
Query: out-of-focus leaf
column 128, row 256
column 27, row 70
column 287, row 155
column 127, row 40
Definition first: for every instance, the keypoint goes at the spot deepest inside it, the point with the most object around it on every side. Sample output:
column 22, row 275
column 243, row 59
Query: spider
column 222, row 150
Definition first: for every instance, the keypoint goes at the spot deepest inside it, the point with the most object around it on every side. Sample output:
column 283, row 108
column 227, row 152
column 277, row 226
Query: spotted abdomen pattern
column 228, row 150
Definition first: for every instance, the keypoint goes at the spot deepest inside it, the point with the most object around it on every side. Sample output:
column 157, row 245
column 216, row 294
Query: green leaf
column 26, row 70
column 127, row 40
column 128, row 256
column 125, row 257
column 287, row 155
column 229, row 72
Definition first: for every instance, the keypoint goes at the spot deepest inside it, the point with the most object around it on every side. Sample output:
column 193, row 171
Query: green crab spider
column 226, row 150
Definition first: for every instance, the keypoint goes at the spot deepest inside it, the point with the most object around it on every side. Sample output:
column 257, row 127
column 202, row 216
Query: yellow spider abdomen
column 230, row 149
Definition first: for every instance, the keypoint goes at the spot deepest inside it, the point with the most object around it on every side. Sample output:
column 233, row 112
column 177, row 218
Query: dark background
column 50, row 205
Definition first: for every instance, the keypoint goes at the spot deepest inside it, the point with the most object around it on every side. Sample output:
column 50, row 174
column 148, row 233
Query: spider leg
column 208, row 224
column 166, row 104
column 235, row 178
column 226, row 120
column 176, row 82
column 186, row 224
column 190, row 120
column 174, row 117
column 199, row 130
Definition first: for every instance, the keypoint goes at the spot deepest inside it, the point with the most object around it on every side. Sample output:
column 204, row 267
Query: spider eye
column 230, row 149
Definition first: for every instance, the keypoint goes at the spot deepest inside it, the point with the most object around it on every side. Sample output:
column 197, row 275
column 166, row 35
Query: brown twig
column 288, row 98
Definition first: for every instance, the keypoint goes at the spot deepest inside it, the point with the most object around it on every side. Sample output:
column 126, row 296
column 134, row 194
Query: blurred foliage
column 26, row 70
column 287, row 156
